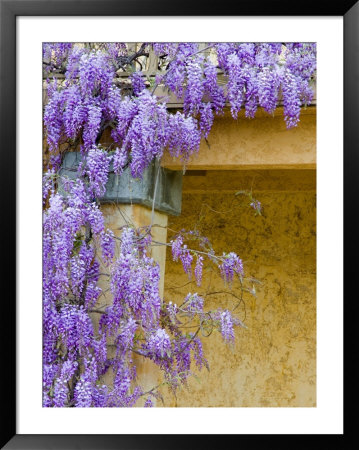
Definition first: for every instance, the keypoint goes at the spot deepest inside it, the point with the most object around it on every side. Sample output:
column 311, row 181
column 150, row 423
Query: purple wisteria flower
column 291, row 100
column 193, row 304
column 180, row 251
column 177, row 247
column 148, row 403
column 195, row 87
column 172, row 310
column 256, row 205
column 231, row 264
column 198, row 270
column 268, row 89
column 120, row 159
column 158, row 346
column 226, row 326
column 206, row 119
column 138, row 83
column 98, row 164
column 235, row 85
column 92, row 104
column 108, row 246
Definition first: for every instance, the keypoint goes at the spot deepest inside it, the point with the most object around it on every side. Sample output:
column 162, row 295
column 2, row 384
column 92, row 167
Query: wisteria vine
column 93, row 89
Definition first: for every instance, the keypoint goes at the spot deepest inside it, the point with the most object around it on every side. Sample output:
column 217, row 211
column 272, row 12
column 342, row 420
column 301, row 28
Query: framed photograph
column 200, row 148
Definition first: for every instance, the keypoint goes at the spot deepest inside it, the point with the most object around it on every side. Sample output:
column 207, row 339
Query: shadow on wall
column 273, row 361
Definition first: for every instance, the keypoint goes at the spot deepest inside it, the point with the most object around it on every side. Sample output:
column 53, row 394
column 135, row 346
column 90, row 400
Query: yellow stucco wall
column 273, row 362
column 260, row 143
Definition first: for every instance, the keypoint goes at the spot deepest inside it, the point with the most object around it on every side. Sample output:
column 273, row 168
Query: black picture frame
column 9, row 10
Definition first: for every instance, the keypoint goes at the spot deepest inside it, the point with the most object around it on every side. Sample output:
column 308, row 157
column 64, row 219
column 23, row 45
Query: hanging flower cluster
column 87, row 101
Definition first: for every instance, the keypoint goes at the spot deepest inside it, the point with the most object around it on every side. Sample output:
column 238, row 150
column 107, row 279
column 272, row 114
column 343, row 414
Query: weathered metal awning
column 163, row 184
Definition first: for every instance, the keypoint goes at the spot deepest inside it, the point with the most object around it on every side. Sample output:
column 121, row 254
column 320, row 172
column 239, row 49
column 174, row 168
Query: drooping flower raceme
column 193, row 304
column 98, row 164
column 231, row 265
column 226, row 325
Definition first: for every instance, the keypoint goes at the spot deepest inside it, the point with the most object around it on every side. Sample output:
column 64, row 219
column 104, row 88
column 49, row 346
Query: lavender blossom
column 268, row 89
column 95, row 218
column 138, row 84
column 231, row 264
column 108, row 246
column 195, row 89
column 148, row 403
column 198, row 270
column 236, row 82
column 98, row 164
column 120, row 159
column 206, row 120
column 193, row 304
column 177, row 245
column 83, row 109
column 291, row 100
column 159, row 345
column 256, row 205
column 186, row 258
column 226, row 326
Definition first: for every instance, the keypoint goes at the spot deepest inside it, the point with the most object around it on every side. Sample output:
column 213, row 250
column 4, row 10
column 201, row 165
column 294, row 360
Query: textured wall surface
column 273, row 361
